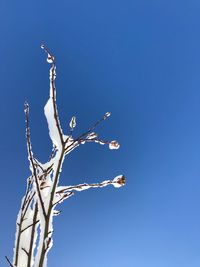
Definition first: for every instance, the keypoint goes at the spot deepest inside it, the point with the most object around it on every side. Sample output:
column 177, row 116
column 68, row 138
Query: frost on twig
column 34, row 226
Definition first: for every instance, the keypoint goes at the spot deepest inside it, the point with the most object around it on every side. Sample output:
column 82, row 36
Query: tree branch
column 11, row 265
column 118, row 181
column 105, row 116
column 51, row 60
column 37, row 206
column 33, row 232
column 63, row 197
column 32, row 224
column 30, row 153
column 26, row 202
column 25, row 251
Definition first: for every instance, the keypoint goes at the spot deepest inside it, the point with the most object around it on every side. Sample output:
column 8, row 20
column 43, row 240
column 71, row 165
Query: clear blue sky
column 141, row 61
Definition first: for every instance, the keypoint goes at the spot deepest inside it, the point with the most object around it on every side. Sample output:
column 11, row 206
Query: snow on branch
column 117, row 182
column 34, row 225
column 64, row 192
column 50, row 109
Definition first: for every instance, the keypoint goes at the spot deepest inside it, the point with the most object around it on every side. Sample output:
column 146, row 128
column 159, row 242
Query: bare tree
column 34, row 224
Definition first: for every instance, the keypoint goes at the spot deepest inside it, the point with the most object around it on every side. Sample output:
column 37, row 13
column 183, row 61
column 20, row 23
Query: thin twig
column 10, row 263
column 29, row 226
column 25, row 251
column 66, row 196
column 92, row 127
column 120, row 181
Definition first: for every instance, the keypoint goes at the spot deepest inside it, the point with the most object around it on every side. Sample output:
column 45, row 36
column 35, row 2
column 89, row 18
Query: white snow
column 92, row 136
column 72, row 123
column 114, row 145
column 107, row 114
column 49, row 111
column 50, row 59
column 118, row 181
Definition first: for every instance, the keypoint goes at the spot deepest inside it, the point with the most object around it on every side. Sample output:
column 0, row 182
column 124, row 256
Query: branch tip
column 50, row 57
column 26, row 107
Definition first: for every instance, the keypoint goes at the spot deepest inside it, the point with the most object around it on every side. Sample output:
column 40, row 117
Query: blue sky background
column 141, row 61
